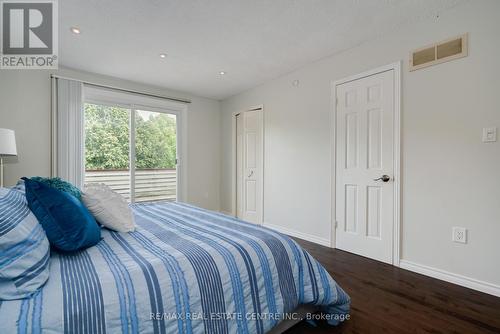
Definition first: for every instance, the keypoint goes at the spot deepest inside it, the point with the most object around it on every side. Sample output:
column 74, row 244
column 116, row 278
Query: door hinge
column 336, row 224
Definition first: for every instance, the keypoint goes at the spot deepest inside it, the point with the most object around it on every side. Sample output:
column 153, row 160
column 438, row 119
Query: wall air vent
column 444, row 51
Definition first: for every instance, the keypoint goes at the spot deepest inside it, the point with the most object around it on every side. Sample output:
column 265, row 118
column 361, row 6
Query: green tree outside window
column 107, row 139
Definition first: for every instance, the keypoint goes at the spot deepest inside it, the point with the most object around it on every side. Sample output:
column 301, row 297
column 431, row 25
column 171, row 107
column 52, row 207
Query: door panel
column 251, row 195
column 365, row 135
column 374, row 210
column 155, row 149
column 107, row 149
column 374, row 139
column 351, row 147
column 251, row 148
column 351, row 208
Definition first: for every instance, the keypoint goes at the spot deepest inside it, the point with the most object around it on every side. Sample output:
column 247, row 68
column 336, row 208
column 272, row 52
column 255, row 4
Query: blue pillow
column 58, row 183
column 67, row 222
column 24, row 248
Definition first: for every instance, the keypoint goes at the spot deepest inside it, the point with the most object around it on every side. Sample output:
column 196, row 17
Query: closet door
column 252, row 166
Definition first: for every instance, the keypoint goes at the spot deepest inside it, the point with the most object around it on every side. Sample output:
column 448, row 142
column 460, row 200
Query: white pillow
column 108, row 207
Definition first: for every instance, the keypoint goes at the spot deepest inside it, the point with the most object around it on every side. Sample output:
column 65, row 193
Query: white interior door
column 250, row 188
column 365, row 166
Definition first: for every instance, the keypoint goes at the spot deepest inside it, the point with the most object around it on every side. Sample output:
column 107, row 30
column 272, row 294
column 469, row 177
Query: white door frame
column 234, row 157
column 396, row 150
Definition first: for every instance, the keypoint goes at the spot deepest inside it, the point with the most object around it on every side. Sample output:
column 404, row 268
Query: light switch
column 489, row 135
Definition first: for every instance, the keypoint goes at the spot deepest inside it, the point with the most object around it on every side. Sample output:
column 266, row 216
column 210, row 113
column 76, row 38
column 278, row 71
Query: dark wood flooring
column 386, row 299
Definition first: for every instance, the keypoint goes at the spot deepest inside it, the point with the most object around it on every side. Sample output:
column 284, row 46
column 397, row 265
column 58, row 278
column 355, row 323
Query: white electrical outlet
column 459, row 235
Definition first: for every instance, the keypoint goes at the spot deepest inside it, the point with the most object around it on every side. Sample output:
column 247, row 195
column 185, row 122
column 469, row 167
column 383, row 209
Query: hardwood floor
column 386, row 299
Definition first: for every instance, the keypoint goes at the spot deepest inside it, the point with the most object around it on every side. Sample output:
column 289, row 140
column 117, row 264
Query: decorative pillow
column 24, row 248
column 108, row 207
column 60, row 184
column 67, row 222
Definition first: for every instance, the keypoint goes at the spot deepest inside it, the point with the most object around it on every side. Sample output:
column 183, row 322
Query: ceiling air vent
column 444, row 51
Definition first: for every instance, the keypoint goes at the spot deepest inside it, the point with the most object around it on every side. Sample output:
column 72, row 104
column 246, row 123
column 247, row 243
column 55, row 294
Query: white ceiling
column 252, row 40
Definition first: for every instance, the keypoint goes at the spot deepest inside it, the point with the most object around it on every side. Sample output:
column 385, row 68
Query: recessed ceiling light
column 75, row 30
column 163, row 55
column 222, row 73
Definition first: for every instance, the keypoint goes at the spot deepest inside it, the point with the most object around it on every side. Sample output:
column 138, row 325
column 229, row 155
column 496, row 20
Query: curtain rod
column 121, row 89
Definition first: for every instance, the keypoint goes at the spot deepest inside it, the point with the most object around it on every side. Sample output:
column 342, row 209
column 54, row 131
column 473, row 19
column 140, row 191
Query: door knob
column 383, row 178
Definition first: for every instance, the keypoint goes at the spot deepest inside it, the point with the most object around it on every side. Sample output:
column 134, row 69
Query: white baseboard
column 227, row 213
column 300, row 235
column 461, row 280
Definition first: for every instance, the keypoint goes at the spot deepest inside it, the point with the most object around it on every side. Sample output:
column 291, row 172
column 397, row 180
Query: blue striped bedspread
column 184, row 270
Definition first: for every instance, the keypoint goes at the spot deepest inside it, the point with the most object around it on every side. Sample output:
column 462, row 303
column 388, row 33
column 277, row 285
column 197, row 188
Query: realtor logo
column 29, row 34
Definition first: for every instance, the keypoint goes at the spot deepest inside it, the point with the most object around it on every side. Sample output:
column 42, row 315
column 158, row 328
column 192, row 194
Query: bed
column 184, row 270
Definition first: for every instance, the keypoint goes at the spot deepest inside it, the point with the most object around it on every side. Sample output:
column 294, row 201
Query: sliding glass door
column 133, row 151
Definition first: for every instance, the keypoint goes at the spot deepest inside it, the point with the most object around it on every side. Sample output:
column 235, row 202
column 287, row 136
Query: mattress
column 184, row 270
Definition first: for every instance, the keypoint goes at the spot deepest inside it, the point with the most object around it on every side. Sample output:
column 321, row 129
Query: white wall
column 449, row 177
column 25, row 107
